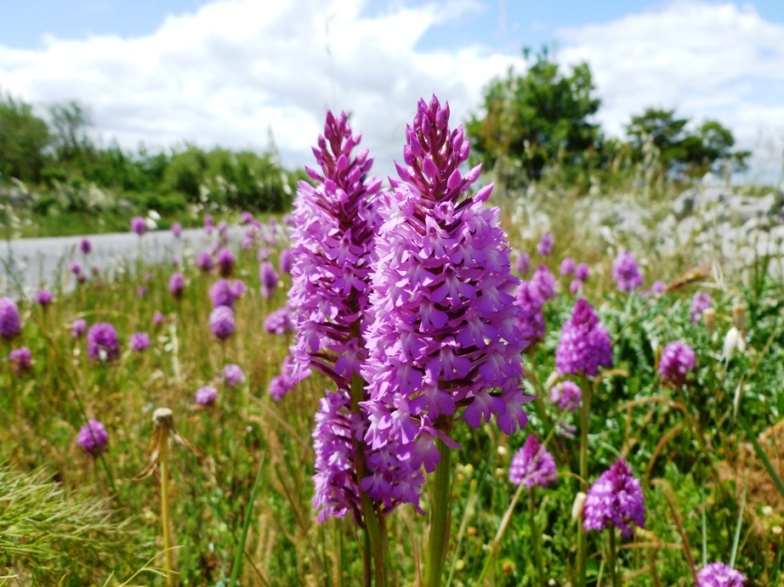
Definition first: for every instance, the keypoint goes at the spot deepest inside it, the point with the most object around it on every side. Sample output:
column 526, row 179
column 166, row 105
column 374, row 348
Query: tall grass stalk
column 582, row 535
column 235, row 570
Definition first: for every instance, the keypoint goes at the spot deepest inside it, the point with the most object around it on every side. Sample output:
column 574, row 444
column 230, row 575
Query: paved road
column 42, row 261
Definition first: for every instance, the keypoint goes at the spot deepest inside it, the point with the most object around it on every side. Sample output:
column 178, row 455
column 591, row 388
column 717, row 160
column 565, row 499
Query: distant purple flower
column 75, row 267
column 288, row 220
column 279, row 321
column 615, row 499
column 582, row 272
column 206, row 395
column 262, row 254
column 247, row 241
column 138, row 225
column 141, row 291
column 158, row 318
column 676, row 361
column 222, row 322
column 522, row 262
column 21, row 360
column 176, row 230
column 544, row 281
column 530, row 319
column 567, row 266
column 545, row 246
column 102, row 342
column 233, row 374
column 567, row 395
column 658, row 287
column 226, row 262
column 93, row 438
column 148, row 277
column 699, row 303
column 85, row 246
column 222, row 293
column 177, row 285
column 585, row 345
column 574, row 286
column 286, row 261
column 223, row 227
column 281, row 384
column 43, row 297
column 10, row 323
column 139, row 342
column 719, row 575
column 443, row 336
column 204, row 261
column 269, row 279
column 237, row 288
column 532, row 465
column 176, row 261
column 246, row 217
column 78, row 328
column 626, row 273
column 208, row 226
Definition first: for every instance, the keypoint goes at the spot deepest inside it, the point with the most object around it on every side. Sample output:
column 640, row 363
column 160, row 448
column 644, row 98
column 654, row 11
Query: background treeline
column 541, row 125
column 531, row 127
column 61, row 180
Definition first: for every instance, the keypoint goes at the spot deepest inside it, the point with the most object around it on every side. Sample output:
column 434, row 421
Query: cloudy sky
column 228, row 72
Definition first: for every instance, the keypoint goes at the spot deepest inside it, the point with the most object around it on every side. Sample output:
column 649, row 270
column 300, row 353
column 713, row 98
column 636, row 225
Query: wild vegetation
column 234, row 417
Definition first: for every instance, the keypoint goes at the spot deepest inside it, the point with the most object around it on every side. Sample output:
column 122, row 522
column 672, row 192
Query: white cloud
column 235, row 68
column 707, row 60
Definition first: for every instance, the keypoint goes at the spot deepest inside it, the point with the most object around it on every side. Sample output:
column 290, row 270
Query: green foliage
column 685, row 437
column 538, row 118
column 681, row 149
column 64, row 171
column 23, row 140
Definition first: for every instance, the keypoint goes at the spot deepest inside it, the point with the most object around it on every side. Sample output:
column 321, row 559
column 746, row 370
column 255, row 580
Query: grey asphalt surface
column 37, row 262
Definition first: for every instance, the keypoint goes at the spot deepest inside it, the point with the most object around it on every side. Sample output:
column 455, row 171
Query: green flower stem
column 536, row 538
column 612, row 563
column 163, row 460
column 438, row 537
column 582, row 544
column 372, row 517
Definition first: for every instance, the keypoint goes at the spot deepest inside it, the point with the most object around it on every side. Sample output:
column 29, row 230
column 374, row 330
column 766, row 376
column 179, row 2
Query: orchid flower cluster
column 335, row 224
column 428, row 332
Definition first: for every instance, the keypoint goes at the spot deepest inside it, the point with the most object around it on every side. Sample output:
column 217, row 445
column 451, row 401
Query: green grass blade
column 763, row 457
column 235, row 571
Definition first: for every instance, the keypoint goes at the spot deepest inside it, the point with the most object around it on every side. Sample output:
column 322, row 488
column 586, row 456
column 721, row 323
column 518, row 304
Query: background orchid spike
column 444, row 334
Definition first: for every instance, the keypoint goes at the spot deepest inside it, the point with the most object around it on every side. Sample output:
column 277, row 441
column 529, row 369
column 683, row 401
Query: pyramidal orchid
column 332, row 247
column 443, row 337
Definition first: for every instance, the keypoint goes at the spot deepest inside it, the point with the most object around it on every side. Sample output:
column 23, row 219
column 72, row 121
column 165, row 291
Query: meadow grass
column 705, row 487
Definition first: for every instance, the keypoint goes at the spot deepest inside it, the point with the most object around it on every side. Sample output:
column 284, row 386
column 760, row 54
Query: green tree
column 23, row 141
column 70, row 123
column 538, row 118
column 681, row 149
